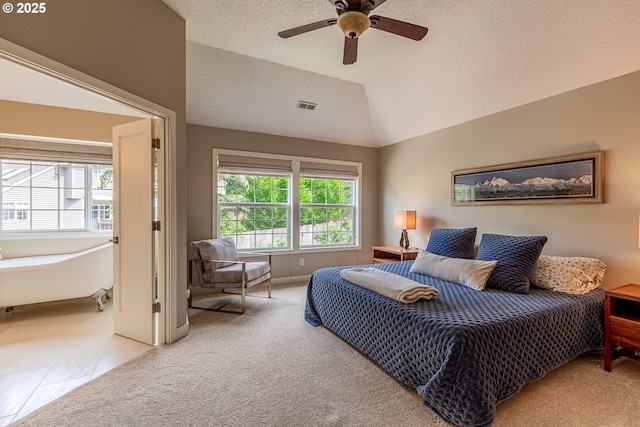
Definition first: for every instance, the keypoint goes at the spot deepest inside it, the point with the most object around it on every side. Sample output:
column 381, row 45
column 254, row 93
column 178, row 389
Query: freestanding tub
column 34, row 279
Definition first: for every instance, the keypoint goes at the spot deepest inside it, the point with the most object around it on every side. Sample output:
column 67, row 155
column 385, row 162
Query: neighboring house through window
column 48, row 196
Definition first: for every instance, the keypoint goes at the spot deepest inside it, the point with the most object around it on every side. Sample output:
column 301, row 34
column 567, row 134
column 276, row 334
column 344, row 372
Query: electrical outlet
column 301, row 261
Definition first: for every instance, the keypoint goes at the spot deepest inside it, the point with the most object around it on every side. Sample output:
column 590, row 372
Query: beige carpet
column 270, row 368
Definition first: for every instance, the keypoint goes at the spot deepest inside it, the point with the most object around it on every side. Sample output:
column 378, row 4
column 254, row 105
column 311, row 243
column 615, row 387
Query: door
column 134, row 270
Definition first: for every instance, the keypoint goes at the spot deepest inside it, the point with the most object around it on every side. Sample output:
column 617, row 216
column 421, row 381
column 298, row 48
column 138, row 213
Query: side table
column 392, row 254
column 621, row 324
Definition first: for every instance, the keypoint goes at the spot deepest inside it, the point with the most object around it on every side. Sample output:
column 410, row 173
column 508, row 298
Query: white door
column 133, row 254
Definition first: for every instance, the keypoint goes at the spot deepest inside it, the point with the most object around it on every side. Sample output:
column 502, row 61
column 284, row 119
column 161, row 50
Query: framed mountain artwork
column 574, row 178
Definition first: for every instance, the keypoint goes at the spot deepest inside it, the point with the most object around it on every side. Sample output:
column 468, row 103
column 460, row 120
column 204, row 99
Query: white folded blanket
column 390, row 285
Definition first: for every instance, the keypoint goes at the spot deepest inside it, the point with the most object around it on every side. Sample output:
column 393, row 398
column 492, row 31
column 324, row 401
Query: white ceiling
column 479, row 57
column 22, row 84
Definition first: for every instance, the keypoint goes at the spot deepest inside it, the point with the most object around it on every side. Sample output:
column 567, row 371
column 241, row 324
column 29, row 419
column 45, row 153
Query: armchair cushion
column 217, row 249
column 232, row 274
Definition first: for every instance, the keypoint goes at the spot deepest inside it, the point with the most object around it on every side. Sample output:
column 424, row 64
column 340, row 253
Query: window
column 254, row 210
column 283, row 202
column 22, row 211
column 101, row 217
column 101, row 197
column 8, row 211
column 48, row 196
column 327, row 209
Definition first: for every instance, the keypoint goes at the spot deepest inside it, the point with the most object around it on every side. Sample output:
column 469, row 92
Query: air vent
column 304, row 105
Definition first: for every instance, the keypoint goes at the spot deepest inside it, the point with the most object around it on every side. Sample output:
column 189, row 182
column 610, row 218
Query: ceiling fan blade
column 350, row 51
column 306, row 28
column 401, row 28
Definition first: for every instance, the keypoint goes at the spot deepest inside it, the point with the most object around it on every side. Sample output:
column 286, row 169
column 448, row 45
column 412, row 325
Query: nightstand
column 621, row 324
column 392, row 254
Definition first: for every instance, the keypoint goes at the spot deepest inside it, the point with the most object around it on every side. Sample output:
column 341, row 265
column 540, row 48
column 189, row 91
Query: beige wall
column 138, row 46
column 202, row 140
column 415, row 174
column 54, row 122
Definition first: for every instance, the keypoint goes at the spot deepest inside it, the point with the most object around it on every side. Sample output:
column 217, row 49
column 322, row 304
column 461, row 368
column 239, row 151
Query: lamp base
column 404, row 240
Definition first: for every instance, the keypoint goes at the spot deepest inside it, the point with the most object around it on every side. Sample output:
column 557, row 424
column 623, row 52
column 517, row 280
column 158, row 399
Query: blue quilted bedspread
column 463, row 351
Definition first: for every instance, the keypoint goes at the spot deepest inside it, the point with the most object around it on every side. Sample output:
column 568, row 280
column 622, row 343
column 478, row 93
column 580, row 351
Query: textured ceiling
column 479, row 57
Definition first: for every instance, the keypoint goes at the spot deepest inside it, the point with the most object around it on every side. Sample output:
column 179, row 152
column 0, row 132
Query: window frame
column 294, row 201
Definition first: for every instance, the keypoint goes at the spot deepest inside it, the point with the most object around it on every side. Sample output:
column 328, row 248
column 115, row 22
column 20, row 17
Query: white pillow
column 467, row 272
column 573, row 275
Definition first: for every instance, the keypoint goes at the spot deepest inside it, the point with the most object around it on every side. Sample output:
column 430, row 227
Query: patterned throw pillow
column 217, row 249
column 516, row 256
column 573, row 275
column 452, row 242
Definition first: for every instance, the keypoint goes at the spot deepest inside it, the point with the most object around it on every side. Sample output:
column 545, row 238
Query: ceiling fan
column 353, row 19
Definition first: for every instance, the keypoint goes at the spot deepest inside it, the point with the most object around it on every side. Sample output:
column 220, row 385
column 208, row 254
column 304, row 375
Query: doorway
column 108, row 97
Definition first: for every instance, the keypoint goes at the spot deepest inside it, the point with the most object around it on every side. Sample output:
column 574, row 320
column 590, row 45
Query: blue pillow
column 516, row 256
column 452, row 242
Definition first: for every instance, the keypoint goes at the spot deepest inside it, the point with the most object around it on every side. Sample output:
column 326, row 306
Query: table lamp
column 406, row 220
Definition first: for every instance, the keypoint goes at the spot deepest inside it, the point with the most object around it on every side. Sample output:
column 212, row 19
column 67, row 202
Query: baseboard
column 289, row 280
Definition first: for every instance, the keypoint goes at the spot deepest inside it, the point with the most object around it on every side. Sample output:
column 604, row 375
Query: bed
column 463, row 351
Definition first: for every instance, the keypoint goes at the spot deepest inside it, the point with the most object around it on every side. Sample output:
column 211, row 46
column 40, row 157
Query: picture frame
column 576, row 178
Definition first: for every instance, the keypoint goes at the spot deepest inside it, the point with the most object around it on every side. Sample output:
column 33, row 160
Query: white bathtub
column 35, row 279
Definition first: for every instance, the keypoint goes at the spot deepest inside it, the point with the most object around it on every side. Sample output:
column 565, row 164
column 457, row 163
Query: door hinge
column 155, row 226
column 155, row 307
column 155, row 143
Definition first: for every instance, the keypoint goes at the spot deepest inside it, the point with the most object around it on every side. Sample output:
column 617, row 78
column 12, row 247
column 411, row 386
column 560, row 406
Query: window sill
column 55, row 235
column 277, row 252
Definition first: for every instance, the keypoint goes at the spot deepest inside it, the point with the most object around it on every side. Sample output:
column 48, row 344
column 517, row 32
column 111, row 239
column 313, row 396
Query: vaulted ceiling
column 478, row 58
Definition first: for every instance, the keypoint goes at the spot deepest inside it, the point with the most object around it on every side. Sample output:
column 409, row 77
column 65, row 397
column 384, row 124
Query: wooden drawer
column 625, row 332
column 384, row 260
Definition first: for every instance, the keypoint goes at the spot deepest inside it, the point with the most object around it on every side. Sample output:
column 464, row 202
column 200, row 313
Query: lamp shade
column 405, row 220
column 353, row 23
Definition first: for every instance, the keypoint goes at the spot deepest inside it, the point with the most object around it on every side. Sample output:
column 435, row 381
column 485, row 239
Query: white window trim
column 294, row 226
column 65, row 234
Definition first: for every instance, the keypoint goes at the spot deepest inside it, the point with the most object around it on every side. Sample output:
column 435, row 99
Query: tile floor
column 49, row 349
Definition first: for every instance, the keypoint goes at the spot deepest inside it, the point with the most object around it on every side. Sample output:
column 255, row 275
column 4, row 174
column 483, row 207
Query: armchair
column 218, row 266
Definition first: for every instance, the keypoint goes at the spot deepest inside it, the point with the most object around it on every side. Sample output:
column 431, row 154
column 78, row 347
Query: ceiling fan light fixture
column 353, row 23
